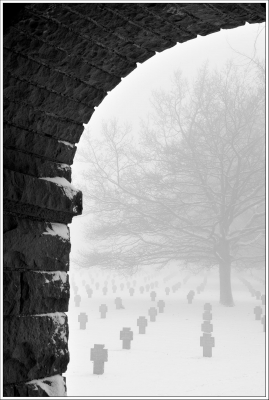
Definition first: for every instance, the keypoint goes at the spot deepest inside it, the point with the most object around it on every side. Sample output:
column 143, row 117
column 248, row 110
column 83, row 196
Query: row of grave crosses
column 99, row 354
column 152, row 312
column 207, row 341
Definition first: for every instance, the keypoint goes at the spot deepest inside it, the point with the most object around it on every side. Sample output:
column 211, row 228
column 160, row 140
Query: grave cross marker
column 126, row 335
column 207, row 327
column 152, row 314
column 207, row 307
column 207, row 342
column 118, row 302
column 104, row 290
column 258, row 312
column 141, row 289
column 161, row 305
column 142, row 322
column 103, row 310
column 77, row 299
column 207, row 315
column 83, row 319
column 167, row 290
column 153, row 295
column 99, row 357
column 131, row 291
column 190, row 296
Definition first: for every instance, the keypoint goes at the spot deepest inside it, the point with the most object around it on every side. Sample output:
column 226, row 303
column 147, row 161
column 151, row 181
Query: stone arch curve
column 60, row 60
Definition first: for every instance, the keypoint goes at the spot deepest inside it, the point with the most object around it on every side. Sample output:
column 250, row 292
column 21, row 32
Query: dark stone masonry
column 60, row 60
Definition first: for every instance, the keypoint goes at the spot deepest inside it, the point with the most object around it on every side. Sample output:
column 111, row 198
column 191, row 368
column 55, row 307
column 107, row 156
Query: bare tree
column 191, row 188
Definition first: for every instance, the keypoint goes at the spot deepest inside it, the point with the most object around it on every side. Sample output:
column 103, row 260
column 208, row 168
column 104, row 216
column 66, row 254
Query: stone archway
column 60, row 60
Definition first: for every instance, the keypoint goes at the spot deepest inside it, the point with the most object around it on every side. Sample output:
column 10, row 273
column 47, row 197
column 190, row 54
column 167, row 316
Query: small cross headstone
column 89, row 292
column 142, row 323
column 118, row 302
column 77, row 299
column 152, row 314
column 114, row 288
column 153, row 295
column 103, row 310
column 147, row 287
column 97, row 285
column 258, row 312
column 207, row 327
column 207, row 342
column 263, row 299
column 161, row 305
column 167, row 290
column 131, row 291
column 75, row 289
column 104, row 290
column 198, row 289
column 207, row 315
column 126, row 335
column 99, row 357
column 121, row 286
column 190, row 296
column 83, row 319
column 207, row 307
column 263, row 322
column 141, row 289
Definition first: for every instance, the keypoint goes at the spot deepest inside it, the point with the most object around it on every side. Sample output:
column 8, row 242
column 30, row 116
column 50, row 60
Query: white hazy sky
column 130, row 100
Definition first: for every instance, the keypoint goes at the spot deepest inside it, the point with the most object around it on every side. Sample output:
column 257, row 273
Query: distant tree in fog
column 191, row 187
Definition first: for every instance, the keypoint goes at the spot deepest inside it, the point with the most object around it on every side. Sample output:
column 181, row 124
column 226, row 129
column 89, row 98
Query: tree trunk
column 226, row 296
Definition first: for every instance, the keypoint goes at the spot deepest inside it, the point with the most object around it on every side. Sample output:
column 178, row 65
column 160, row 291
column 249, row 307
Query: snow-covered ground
column 168, row 359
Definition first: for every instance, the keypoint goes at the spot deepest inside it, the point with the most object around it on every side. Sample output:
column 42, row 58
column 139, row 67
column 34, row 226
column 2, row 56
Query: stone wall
column 60, row 60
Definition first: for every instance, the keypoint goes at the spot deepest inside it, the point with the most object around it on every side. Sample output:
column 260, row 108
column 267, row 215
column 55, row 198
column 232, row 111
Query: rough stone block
column 34, row 166
column 34, row 347
column 40, row 145
column 46, row 100
column 43, row 292
column 34, row 245
column 46, row 387
column 28, row 117
column 34, row 197
column 11, row 292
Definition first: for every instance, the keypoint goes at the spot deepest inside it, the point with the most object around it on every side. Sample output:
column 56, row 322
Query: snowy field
column 168, row 359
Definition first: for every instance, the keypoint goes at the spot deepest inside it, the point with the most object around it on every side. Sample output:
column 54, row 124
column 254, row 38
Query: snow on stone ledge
column 63, row 166
column 53, row 385
column 58, row 317
column 69, row 189
column 66, row 143
column 56, row 275
column 59, row 320
column 59, row 230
